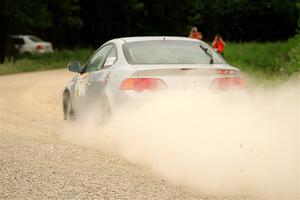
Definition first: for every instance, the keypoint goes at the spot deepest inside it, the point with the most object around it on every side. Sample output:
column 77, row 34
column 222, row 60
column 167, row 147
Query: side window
column 97, row 61
column 18, row 41
column 111, row 58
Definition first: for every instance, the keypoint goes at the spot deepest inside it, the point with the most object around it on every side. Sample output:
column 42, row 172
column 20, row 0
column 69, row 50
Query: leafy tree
column 20, row 17
column 247, row 19
column 298, row 6
column 70, row 23
column 66, row 25
column 54, row 20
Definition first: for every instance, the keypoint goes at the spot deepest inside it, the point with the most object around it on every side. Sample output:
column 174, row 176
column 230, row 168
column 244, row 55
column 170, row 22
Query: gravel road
column 36, row 164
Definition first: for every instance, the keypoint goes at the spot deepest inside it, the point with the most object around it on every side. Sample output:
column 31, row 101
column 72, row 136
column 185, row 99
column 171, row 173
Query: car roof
column 149, row 38
column 20, row 36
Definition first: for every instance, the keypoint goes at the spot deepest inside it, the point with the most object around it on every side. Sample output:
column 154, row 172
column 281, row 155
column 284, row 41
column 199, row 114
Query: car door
column 84, row 80
column 93, row 81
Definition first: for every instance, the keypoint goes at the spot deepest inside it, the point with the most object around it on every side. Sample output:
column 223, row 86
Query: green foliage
column 266, row 59
column 53, row 20
column 298, row 6
column 235, row 20
column 66, row 23
column 294, row 57
column 71, row 23
column 58, row 59
column 247, row 20
column 19, row 15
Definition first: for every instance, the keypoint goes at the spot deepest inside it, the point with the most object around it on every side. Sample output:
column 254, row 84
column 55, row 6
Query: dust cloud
column 225, row 143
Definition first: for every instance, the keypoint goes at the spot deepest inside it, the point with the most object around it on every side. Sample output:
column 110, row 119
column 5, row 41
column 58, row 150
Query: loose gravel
column 36, row 164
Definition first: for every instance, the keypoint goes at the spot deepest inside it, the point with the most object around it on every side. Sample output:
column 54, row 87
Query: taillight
column 226, row 71
column 140, row 84
column 228, row 83
column 39, row 47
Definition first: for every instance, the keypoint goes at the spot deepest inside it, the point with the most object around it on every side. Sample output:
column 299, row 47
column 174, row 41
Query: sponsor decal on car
column 80, row 85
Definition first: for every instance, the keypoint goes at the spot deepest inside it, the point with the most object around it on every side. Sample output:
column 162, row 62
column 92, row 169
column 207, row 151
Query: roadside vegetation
column 264, row 60
column 58, row 59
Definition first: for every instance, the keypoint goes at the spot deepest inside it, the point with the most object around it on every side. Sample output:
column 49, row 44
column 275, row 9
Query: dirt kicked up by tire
column 36, row 164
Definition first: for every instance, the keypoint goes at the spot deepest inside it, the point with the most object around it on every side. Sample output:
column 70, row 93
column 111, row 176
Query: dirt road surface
column 36, row 164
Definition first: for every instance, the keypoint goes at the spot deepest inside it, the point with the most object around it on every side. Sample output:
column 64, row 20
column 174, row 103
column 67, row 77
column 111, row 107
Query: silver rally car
column 127, row 68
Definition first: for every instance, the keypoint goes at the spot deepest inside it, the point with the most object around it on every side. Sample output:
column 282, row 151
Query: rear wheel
column 68, row 108
column 26, row 55
column 105, row 111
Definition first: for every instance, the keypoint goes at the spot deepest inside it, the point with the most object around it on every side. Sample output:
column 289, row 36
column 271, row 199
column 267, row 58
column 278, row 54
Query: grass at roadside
column 58, row 59
column 266, row 60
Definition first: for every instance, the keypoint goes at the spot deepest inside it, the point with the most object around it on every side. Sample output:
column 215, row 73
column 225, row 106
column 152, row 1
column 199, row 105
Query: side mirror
column 75, row 66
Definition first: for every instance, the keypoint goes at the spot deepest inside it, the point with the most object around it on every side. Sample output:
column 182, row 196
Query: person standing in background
column 195, row 34
column 219, row 44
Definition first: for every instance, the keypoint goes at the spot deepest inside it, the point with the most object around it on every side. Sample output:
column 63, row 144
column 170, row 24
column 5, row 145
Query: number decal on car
column 80, row 85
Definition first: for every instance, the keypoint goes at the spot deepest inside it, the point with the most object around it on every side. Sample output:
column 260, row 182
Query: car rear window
column 18, row 41
column 169, row 52
column 35, row 39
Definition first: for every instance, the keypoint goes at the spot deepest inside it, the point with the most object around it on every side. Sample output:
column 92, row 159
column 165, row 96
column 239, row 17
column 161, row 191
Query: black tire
column 105, row 111
column 26, row 55
column 68, row 108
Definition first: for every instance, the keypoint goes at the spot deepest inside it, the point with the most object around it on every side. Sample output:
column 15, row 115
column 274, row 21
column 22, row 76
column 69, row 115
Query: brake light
column 228, row 83
column 225, row 71
column 39, row 47
column 140, row 84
